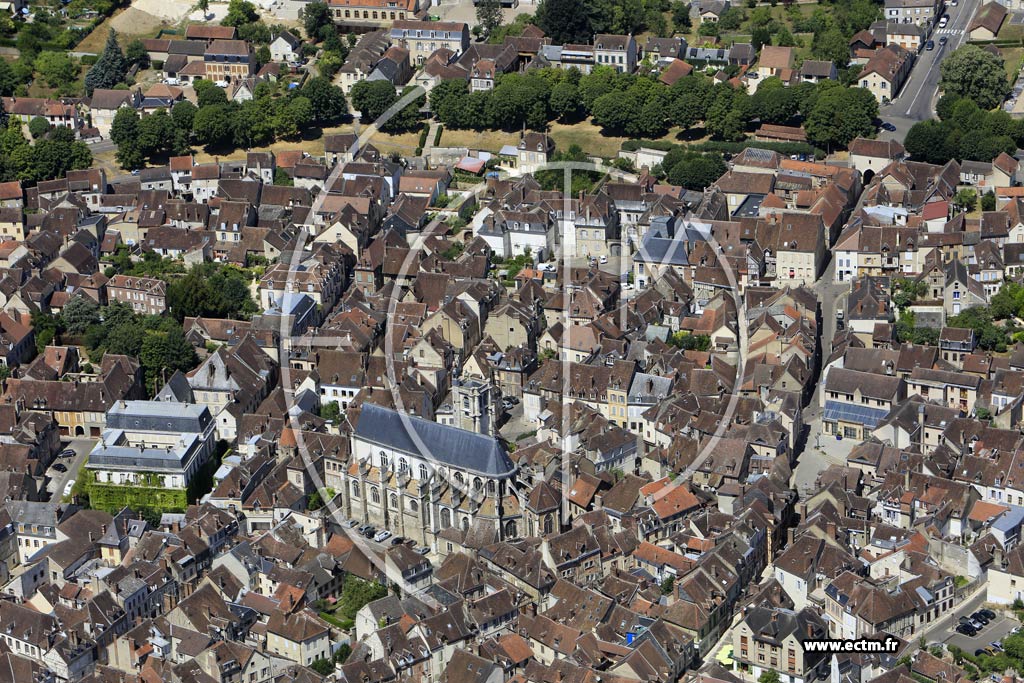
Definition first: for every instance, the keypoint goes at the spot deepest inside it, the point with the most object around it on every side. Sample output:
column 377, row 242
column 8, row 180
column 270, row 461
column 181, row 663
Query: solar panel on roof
column 865, row 415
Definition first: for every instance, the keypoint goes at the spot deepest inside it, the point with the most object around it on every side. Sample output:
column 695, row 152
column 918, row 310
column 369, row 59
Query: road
column 916, row 101
column 812, row 460
column 58, row 480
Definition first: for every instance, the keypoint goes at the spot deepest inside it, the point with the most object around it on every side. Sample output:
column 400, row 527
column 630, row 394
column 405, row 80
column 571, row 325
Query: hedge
column 787, row 148
column 437, row 135
column 423, row 137
column 113, row 497
column 661, row 145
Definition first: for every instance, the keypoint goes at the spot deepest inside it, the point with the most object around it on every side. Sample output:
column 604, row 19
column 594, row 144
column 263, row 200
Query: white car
column 67, row 489
column 604, row 259
column 943, row 21
column 382, row 536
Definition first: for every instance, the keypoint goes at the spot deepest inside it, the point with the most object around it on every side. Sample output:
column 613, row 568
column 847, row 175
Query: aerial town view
column 512, row 341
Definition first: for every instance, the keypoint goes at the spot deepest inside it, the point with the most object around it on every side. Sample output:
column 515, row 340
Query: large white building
column 153, row 443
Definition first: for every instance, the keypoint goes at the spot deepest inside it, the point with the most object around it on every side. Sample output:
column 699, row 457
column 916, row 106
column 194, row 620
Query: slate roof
column 445, row 445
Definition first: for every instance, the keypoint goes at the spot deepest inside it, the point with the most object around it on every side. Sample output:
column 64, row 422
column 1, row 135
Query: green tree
column 58, row 69
column 681, row 21
column 203, row 6
column 769, row 676
column 841, row 114
column 330, row 411
column 831, row 45
column 667, row 585
column 80, row 314
column 240, row 12
column 315, row 15
column 327, row 99
column 988, row 201
column 183, row 115
column 929, row 141
column 213, row 125
column 372, row 98
column 488, row 15
column 975, row 73
column 125, row 127
column 136, row 53
column 110, row 69
column 566, row 21
column 38, row 127
column 966, row 199
column 207, row 93
column 565, row 100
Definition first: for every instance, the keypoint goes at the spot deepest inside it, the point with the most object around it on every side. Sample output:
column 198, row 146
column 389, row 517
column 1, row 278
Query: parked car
column 967, row 630
column 398, row 540
column 604, row 259
column 987, row 613
column 997, row 646
column 943, row 21
column 930, row 45
column 67, row 489
column 980, row 618
column 67, row 453
column 349, row 523
column 370, row 532
column 423, row 551
column 888, row 126
column 60, row 467
column 382, row 536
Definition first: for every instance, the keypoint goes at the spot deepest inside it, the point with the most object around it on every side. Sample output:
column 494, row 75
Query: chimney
column 830, row 529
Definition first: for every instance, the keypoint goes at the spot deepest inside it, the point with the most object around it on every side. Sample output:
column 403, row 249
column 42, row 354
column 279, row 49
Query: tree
column 183, row 115
column 240, row 12
column 111, row 67
column 977, row 74
column 315, row 15
column 125, row 126
column 566, row 21
column 203, row 6
column 136, row 53
column 330, row 411
column 988, row 201
column 667, row 585
column 38, row 127
column 8, row 80
column 696, row 171
column 966, row 199
column 841, row 114
column 681, row 16
column 831, row 45
column 328, row 100
column 928, row 141
column 58, row 69
column 769, row 676
column 565, row 100
column 281, row 177
column 207, row 93
column 213, row 125
column 80, row 314
column 488, row 15
column 372, row 98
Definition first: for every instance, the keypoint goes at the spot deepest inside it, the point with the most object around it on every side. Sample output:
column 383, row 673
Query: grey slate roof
column 442, row 444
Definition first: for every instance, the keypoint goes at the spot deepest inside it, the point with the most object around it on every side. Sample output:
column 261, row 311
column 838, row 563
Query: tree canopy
column 110, row 69
column 977, row 74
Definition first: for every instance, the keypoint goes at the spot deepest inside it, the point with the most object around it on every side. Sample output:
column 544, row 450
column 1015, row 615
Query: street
column 59, row 480
column 813, row 460
column 916, row 100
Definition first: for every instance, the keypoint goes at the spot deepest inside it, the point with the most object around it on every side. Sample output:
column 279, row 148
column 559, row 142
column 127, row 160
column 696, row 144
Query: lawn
column 589, row 137
column 1012, row 59
column 487, row 140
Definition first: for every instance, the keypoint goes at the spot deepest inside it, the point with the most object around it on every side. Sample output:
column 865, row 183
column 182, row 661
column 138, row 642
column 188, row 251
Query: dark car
column 67, row 453
column 980, row 618
column 398, row 540
column 60, row 468
column 987, row 613
column 930, row 45
column 370, row 532
column 888, row 126
column 943, row 40
column 967, row 630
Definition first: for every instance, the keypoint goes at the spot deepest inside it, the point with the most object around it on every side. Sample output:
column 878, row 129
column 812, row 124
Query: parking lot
column 994, row 632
